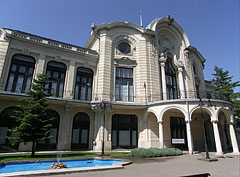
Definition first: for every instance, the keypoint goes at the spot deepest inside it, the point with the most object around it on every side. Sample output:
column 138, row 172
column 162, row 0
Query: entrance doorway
column 80, row 132
column 124, row 131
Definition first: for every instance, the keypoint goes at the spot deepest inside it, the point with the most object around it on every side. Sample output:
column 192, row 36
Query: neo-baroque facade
column 129, row 87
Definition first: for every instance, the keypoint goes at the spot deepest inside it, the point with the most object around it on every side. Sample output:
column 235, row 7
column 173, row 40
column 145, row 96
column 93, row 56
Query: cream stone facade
column 129, row 87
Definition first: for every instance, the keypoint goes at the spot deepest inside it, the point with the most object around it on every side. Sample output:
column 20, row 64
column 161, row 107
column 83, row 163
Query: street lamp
column 104, row 106
column 204, row 134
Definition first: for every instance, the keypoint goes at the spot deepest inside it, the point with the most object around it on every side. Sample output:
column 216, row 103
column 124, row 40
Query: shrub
column 155, row 152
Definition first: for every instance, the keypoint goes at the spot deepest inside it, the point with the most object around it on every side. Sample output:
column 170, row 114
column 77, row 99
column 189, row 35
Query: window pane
column 75, row 138
column 30, row 71
column 83, row 92
column 22, row 69
column 78, row 78
column 130, row 90
column 124, row 90
column 14, row 67
column 53, row 134
column 19, row 83
column 49, row 73
column 55, row 75
column 10, row 82
column 61, row 89
column 3, row 134
column 89, row 93
column 84, row 136
column 54, row 88
column 84, row 80
column 28, row 84
column 124, row 138
column 76, row 91
column 117, row 90
column 134, row 138
column 118, row 72
column 62, row 76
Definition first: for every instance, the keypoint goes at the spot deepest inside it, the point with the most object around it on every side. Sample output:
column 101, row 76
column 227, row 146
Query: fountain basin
column 43, row 167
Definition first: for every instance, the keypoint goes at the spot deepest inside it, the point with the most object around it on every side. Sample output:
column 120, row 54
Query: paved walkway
column 229, row 166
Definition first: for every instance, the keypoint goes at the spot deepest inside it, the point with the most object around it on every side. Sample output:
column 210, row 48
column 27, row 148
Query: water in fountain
column 59, row 156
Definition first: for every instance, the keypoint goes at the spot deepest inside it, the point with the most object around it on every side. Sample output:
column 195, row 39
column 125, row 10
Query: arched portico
column 173, row 125
column 197, row 116
column 226, row 130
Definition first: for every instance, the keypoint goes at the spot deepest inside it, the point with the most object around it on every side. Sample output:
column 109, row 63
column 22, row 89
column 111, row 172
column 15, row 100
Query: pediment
column 125, row 61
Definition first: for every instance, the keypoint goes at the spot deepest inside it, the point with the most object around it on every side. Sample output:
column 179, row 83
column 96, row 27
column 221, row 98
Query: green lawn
column 53, row 156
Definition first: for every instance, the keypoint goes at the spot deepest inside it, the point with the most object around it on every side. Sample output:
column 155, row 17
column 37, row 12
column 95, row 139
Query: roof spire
column 141, row 22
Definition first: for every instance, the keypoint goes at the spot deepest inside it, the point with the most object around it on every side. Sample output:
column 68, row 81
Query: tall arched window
column 56, row 72
column 83, row 87
column 80, row 132
column 171, row 81
column 6, row 122
column 20, row 74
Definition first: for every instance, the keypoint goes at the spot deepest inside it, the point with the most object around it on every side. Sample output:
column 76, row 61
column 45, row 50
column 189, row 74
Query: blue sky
column 212, row 26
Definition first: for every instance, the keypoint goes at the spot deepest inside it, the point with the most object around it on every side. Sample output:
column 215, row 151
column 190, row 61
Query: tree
column 225, row 90
column 224, row 85
column 33, row 124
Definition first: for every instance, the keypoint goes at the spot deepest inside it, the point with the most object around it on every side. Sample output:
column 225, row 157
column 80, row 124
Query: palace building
column 128, row 87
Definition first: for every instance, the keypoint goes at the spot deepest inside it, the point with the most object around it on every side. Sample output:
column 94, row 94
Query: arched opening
column 80, row 131
column 6, row 123
column 223, row 126
column 197, row 130
column 153, row 130
column 56, row 72
column 124, row 131
column 20, row 74
column 174, row 128
column 51, row 143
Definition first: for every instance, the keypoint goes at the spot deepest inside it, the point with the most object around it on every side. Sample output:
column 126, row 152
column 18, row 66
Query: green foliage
column 155, row 152
column 32, row 123
column 225, row 90
column 224, row 85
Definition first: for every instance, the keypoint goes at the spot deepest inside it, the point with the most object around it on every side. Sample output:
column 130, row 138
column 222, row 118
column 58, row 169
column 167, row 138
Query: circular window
column 124, row 48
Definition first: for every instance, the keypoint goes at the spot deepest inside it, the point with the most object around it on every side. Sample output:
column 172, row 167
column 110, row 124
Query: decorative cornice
column 125, row 61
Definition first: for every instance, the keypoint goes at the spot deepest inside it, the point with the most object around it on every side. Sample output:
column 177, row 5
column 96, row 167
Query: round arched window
column 124, row 48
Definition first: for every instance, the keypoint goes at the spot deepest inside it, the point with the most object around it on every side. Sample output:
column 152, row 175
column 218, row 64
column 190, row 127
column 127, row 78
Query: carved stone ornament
column 125, row 61
column 165, row 44
column 214, row 121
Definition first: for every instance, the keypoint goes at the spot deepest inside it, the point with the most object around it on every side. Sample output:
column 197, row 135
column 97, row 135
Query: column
column 181, row 83
column 233, row 138
column 189, row 137
column 164, row 89
column 217, row 137
column 69, row 90
column 65, row 128
column 98, row 128
column 160, row 124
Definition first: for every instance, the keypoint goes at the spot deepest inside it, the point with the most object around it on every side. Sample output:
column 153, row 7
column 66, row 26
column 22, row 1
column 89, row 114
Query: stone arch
column 174, row 27
column 150, row 110
column 169, row 108
column 225, row 112
column 208, row 110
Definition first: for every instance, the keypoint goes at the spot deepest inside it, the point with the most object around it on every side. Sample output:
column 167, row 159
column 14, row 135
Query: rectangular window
column 124, row 84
